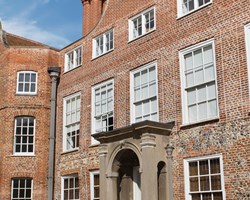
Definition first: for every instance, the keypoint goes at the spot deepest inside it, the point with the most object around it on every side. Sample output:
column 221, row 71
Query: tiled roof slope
column 17, row 41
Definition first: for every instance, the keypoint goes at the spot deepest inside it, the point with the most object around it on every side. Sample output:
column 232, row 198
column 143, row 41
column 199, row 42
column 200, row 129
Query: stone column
column 112, row 179
column 169, row 151
column 103, row 150
column 149, row 167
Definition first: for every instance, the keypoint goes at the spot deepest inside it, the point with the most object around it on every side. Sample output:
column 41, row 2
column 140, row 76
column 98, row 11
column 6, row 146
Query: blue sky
column 53, row 22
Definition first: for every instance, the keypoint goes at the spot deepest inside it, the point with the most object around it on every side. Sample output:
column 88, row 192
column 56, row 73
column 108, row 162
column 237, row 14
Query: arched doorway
column 126, row 164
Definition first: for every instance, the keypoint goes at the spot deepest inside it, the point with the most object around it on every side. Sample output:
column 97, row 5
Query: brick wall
column 13, row 105
column 224, row 22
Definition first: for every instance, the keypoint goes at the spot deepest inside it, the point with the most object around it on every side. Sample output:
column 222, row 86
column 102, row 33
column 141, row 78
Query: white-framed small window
column 73, row 59
column 198, row 83
column 26, row 82
column 103, row 107
column 144, row 93
column 21, row 189
column 72, row 109
column 204, row 179
column 103, row 43
column 70, row 187
column 247, row 40
column 95, row 185
column 188, row 6
column 24, row 138
column 142, row 23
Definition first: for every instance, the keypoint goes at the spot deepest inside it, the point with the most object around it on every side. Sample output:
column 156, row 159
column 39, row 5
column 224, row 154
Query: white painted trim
column 247, row 41
column 93, row 141
column 199, row 158
column 62, row 183
column 17, row 80
column 94, row 43
column 66, row 58
column 34, row 138
column 132, row 107
column 92, row 173
column 18, row 178
column 130, row 24
column 64, row 120
column 182, row 77
column 180, row 10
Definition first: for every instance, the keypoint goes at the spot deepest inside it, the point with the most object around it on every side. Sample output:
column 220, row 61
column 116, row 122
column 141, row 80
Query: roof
column 12, row 40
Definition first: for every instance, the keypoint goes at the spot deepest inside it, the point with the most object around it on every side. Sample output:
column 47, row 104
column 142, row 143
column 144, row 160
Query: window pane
column 196, row 197
column 193, row 168
column 202, row 107
column 137, row 94
column 188, row 61
column 144, row 77
column 215, row 166
column 152, row 74
column 199, row 76
column 204, row 183
column 209, row 73
column 136, row 79
column 211, row 90
column 216, row 182
column 96, row 179
column 217, row 196
column 26, row 87
column 212, row 108
column 189, row 79
column 144, row 92
column 191, row 5
column 20, row 87
column 191, row 96
column 206, row 196
column 154, row 105
column 201, row 91
column 27, row 77
column 208, row 54
column 152, row 89
column 198, row 58
column 194, row 185
column 146, row 108
column 138, row 110
column 192, row 113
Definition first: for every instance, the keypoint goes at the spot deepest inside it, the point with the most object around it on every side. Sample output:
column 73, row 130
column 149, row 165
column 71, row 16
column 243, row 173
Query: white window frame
column 185, row 118
column 105, row 50
column 24, row 92
column 93, row 141
column 62, row 184
column 12, row 187
column 21, row 138
column 92, row 173
column 201, row 158
column 247, row 41
column 181, row 13
column 75, row 58
column 132, row 96
column 64, row 121
column 144, row 32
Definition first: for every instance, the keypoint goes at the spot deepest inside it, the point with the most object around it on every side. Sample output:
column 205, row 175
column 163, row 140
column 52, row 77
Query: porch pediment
column 135, row 131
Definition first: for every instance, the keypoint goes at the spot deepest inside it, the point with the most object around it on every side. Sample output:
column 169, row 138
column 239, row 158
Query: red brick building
column 153, row 103
column 25, row 116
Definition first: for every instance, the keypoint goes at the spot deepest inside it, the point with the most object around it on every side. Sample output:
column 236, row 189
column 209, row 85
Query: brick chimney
column 92, row 11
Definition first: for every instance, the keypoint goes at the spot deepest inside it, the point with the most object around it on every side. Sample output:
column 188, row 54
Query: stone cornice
column 135, row 131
